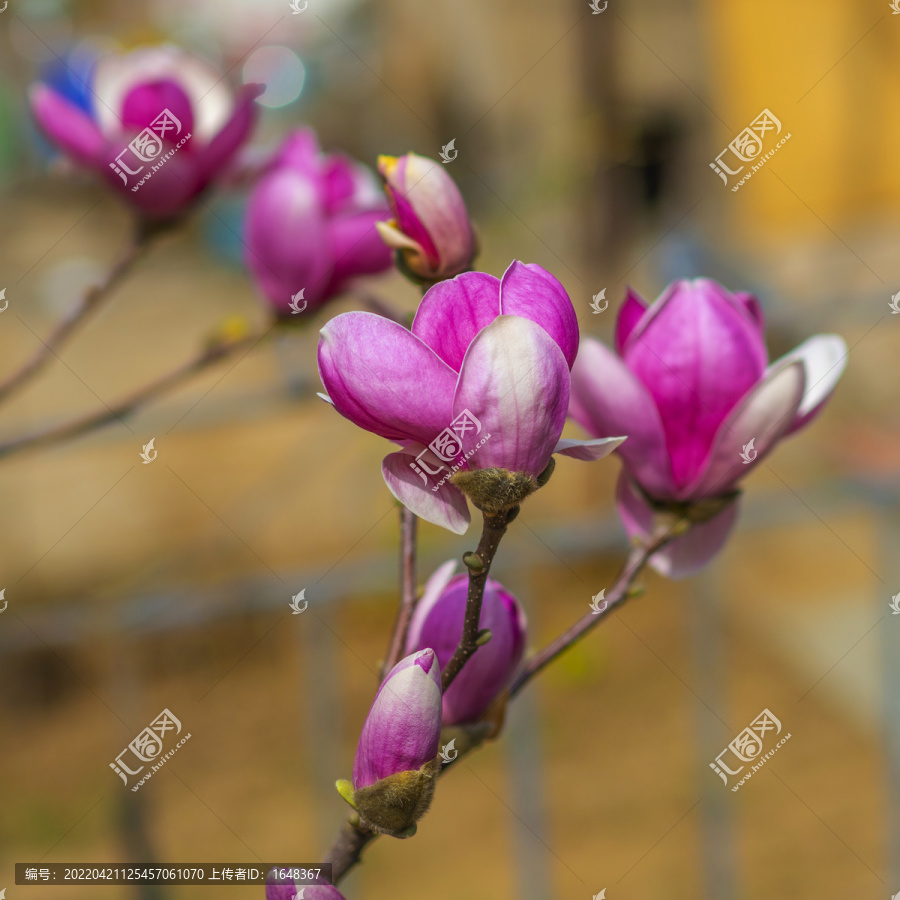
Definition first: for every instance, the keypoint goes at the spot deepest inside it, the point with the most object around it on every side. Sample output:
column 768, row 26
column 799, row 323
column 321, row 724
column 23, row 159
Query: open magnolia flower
column 157, row 124
column 691, row 385
column 475, row 393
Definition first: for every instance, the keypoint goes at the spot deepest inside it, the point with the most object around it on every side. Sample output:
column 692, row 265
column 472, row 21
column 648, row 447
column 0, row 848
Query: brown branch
column 90, row 301
column 408, row 598
column 94, row 420
column 493, row 530
column 614, row 597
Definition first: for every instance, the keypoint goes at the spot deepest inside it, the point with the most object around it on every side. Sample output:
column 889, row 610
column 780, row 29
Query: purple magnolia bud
column 395, row 764
column 310, row 226
column 286, row 889
column 431, row 227
column 476, row 392
column 157, row 124
column 438, row 623
column 691, row 386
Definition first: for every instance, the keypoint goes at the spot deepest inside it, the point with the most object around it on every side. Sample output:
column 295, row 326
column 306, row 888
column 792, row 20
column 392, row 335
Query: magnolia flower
column 310, row 225
column 431, row 227
column 691, row 385
column 475, row 393
column 395, row 763
column 438, row 623
column 286, row 889
column 158, row 124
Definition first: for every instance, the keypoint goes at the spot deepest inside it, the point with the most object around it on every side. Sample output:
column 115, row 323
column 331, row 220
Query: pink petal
column 607, row 400
column 754, row 310
column 515, row 381
column 384, row 379
column 529, row 291
column 146, row 101
column 824, row 358
column 630, row 314
column 454, row 311
column 698, row 353
column 763, row 416
column 68, row 127
column 588, row 451
column 219, row 151
column 286, row 240
column 446, row 506
column 685, row 555
column 356, row 247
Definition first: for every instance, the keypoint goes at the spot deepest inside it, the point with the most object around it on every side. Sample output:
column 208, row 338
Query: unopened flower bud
column 395, row 764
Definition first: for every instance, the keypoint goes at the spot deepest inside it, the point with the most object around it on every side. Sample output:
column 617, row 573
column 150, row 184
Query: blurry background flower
column 95, row 118
column 690, row 386
column 310, row 224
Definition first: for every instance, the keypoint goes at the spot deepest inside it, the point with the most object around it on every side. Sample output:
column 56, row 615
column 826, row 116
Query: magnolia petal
column 686, row 555
column 530, row 291
column 698, row 353
column 588, row 450
column 445, row 507
column 452, row 312
column 824, row 358
column 630, row 314
column 431, row 593
column 384, row 379
column 234, row 133
column 68, row 127
column 763, row 417
column 515, row 381
column 607, row 400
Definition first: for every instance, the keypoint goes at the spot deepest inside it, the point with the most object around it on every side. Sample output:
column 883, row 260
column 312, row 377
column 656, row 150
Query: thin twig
column 615, row 596
column 88, row 303
column 144, row 395
column 408, row 599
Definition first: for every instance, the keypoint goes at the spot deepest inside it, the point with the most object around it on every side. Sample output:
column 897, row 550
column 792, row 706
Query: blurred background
column 585, row 144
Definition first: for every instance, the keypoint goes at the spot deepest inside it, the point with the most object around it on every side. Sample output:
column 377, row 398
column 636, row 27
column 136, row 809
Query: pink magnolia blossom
column 310, row 225
column 481, row 381
column 691, row 386
column 158, row 124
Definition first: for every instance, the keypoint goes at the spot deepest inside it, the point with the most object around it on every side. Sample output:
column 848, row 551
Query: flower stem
column 408, row 599
column 614, row 597
column 89, row 302
column 493, row 530
column 72, row 429
column 347, row 848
